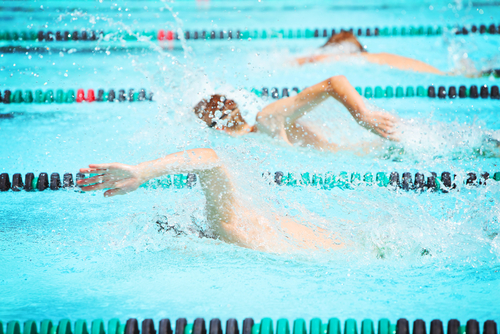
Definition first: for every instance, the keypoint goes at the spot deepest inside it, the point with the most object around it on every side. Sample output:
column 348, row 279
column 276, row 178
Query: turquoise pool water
column 67, row 254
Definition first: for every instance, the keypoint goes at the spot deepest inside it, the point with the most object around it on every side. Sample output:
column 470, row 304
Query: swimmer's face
column 219, row 112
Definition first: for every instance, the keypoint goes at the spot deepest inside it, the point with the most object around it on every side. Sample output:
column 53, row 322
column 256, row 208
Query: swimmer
column 231, row 220
column 345, row 46
column 282, row 118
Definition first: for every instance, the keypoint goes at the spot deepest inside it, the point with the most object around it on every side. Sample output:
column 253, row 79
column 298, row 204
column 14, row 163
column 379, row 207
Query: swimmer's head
column 219, row 112
column 344, row 37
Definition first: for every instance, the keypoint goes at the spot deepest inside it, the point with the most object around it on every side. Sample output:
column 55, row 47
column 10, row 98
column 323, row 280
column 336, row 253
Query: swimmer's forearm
column 342, row 90
column 180, row 162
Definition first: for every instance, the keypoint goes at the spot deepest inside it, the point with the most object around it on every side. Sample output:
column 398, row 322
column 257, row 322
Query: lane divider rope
column 249, row 326
column 60, row 96
column 229, row 34
column 420, row 182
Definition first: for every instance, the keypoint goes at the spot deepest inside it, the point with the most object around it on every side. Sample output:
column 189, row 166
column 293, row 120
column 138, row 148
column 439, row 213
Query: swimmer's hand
column 379, row 122
column 118, row 178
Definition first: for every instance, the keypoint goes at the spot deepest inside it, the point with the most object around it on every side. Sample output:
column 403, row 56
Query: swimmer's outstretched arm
column 120, row 179
column 278, row 116
column 383, row 58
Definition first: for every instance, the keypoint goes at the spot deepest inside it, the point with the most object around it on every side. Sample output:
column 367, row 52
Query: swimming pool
column 67, row 254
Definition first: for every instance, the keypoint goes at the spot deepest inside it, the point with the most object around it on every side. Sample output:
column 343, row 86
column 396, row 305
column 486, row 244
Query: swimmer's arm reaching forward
column 383, row 58
column 277, row 117
column 230, row 220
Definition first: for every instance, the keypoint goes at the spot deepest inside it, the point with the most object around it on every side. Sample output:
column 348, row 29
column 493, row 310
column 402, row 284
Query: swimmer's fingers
column 122, row 188
column 114, row 192
column 97, row 186
column 387, row 134
column 98, row 179
column 101, row 168
column 91, row 180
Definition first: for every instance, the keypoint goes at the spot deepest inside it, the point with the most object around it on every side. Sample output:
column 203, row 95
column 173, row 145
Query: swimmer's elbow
column 338, row 78
column 335, row 81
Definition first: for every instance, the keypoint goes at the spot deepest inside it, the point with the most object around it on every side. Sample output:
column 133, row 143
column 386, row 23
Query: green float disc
column 97, row 327
column 290, row 33
column 420, row 91
column 188, row 329
column 382, row 179
column 350, row 327
column 53, row 330
column 439, row 31
column 343, row 180
column 28, row 96
column 394, row 31
column 70, row 96
column 64, row 327
column 299, row 33
column 33, row 186
column 306, row 180
column 379, row 92
column 317, row 179
column 266, row 326
column 121, row 328
column 496, row 176
column 359, row 90
column 13, row 327
column 462, row 329
column 389, row 91
column 180, row 181
column 17, row 97
column 385, row 31
column 38, row 96
column 392, row 329
column 256, row 329
column 282, row 327
column 399, row 91
column 113, row 325
column 355, row 177
column 291, row 180
column 333, row 326
column 403, row 31
column 368, row 92
column 383, row 326
column 430, row 31
column 410, row 92
column 46, row 325
column 329, row 180
column 315, row 326
column 368, row 178
column 49, row 96
column 59, row 96
column 29, row 327
column 367, row 327
column 81, row 327
column 264, row 34
column 299, row 326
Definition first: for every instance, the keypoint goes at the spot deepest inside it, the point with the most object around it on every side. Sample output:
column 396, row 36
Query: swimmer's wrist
column 143, row 174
